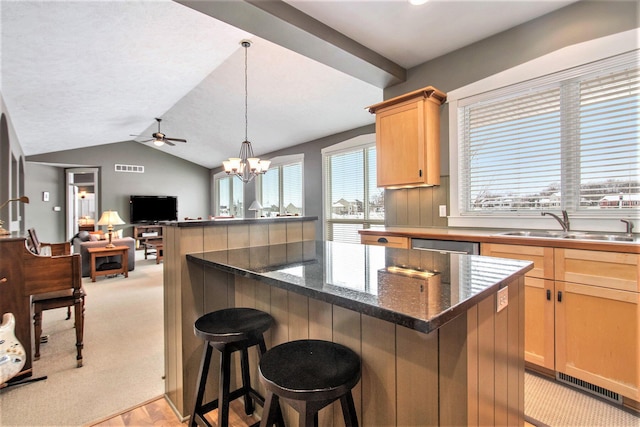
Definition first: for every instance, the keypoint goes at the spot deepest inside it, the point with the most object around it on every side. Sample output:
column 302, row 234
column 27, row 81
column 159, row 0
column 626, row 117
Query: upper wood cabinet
column 408, row 139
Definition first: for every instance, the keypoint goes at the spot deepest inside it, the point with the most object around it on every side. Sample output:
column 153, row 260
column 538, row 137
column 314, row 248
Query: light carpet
column 123, row 355
column 558, row 405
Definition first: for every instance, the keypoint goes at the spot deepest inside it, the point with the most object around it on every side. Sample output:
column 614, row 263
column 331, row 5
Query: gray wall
column 49, row 224
column 12, row 172
column 164, row 174
column 578, row 22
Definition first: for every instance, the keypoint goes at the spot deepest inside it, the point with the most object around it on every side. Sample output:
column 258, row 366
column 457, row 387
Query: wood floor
column 158, row 413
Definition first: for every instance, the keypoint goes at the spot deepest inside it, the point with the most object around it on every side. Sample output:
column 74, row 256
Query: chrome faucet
column 564, row 222
column 629, row 225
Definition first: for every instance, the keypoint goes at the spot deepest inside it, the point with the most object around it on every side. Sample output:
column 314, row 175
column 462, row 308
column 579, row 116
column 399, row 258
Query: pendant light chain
column 246, row 45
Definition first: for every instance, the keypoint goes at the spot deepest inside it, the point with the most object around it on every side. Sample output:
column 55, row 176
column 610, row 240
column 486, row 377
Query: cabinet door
column 388, row 241
column 539, row 319
column 597, row 336
column 399, row 132
column 541, row 257
column 607, row 269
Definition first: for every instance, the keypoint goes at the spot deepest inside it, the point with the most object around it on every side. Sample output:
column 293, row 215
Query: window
column 229, row 195
column 280, row 189
column 564, row 141
column 351, row 199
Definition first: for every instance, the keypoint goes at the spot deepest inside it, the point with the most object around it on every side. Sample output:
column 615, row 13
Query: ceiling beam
column 281, row 23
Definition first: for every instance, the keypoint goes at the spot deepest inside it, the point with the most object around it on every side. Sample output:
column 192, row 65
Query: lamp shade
column 110, row 218
column 255, row 206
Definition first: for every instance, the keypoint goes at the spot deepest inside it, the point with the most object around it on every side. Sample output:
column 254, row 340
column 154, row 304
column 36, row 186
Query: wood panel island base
column 435, row 348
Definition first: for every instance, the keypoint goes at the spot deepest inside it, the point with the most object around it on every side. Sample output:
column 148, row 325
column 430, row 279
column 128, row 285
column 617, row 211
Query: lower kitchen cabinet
column 596, row 336
column 582, row 314
column 597, row 317
column 539, row 315
column 539, row 345
column 400, row 242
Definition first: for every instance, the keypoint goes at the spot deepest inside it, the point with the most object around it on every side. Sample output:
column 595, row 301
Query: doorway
column 83, row 199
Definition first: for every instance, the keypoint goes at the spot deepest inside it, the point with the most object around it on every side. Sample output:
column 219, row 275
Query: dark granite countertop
column 235, row 221
column 417, row 289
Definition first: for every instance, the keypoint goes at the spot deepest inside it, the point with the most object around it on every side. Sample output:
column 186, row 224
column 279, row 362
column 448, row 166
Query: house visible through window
column 280, row 189
column 352, row 200
column 567, row 141
column 229, row 196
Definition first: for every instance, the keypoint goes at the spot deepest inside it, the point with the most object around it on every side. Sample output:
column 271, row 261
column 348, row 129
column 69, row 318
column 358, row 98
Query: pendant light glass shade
column 246, row 166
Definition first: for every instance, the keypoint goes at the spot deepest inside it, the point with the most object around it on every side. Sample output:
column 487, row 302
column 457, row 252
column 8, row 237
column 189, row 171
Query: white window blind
column 352, row 200
column 608, row 120
column 280, row 190
column 229, row 196
column 569, row 141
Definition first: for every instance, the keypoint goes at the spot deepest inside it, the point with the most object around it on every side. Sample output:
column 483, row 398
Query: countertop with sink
column 615, row 242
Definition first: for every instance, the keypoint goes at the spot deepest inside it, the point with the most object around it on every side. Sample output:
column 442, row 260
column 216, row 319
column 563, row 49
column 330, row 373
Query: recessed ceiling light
column 418, row 2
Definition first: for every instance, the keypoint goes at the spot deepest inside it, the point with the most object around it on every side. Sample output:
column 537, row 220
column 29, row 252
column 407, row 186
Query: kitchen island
column 436, row 346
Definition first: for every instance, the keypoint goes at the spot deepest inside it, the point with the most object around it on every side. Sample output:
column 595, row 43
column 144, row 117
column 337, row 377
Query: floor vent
column 129, row 168
column 593, row 389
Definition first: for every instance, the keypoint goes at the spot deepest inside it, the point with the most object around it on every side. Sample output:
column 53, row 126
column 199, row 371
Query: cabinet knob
column 3, row 280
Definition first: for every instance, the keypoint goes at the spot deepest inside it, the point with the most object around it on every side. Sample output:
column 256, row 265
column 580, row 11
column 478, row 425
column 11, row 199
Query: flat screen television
column 151, row 209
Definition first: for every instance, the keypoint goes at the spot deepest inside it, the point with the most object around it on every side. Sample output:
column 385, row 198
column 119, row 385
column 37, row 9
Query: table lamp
column 256, row 206
column 110, row 218
column 23, row 199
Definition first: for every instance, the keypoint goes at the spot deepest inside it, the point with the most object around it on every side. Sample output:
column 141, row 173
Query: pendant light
column 245, row 166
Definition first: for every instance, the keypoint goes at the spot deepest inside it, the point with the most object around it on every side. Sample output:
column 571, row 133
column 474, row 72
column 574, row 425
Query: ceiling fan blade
column 166, row 141
column 146, row 140
column 175, row 139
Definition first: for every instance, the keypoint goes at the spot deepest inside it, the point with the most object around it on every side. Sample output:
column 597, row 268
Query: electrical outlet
column 503, row 299
column 443, row 211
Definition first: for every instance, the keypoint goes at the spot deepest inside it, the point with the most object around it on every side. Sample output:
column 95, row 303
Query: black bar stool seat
column 228, row 330
column 309, row 375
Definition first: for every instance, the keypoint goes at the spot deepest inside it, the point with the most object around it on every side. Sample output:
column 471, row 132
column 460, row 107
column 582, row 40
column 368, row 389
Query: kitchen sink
column 598, row 236
column 535, row 233
column 570, row 235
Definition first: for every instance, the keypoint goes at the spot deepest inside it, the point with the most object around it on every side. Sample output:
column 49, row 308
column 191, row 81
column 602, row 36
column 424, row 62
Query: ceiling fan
column 160, row 138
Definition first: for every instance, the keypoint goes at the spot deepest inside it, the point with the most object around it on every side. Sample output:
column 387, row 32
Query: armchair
column 55, row 282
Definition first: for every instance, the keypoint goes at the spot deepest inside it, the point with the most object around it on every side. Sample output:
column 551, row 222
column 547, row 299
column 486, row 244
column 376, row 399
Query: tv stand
column 146, row 232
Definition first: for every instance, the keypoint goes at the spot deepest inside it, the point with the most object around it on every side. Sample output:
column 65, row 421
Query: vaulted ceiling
column 79, row 74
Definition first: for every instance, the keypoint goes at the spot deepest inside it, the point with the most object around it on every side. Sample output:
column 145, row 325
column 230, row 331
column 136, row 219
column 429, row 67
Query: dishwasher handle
column 446, row 246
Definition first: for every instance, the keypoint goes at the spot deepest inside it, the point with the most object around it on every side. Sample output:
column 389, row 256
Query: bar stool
column 309, row 375
column 228, row 330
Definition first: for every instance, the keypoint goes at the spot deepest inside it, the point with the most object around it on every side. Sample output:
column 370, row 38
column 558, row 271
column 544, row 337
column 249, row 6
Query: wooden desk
column 123, row 251
column 154, row 247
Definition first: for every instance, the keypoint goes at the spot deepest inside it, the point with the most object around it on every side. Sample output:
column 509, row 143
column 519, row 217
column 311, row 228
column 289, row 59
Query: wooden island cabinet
column 436, row 346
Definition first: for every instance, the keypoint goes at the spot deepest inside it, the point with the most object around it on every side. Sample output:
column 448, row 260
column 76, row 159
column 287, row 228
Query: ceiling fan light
column 158, row 142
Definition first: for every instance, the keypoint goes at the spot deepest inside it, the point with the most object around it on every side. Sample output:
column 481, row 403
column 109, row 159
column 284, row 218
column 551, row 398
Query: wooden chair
column 55, row 282
column 38, row 247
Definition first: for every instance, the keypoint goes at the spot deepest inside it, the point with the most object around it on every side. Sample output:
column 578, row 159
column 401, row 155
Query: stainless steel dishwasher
column 446, row 246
